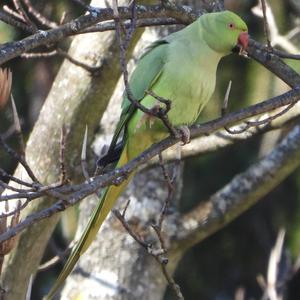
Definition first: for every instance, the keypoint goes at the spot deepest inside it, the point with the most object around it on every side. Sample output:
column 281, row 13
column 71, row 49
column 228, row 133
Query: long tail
column 104, row 206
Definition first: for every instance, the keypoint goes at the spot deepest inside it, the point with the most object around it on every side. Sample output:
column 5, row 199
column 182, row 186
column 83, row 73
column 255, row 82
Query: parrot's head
column 225, row 32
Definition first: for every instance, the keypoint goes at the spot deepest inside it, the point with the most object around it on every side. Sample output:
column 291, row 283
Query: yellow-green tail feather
column 100, row 213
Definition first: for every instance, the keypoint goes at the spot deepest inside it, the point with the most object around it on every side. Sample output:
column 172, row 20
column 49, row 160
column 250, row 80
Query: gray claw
column 185, row 133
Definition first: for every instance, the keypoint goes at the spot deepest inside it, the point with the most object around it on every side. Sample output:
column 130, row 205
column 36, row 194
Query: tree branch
column 74, row 193
column 242, row 192
column 11, row 50
column 221, row 138
column 272, row 62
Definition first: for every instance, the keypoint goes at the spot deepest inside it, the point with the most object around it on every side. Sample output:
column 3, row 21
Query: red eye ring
column 231, row 25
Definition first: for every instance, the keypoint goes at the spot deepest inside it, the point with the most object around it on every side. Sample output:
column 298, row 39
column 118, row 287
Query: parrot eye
column 231, row 25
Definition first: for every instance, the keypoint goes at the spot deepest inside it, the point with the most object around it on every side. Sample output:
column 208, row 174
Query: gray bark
column 115, row 266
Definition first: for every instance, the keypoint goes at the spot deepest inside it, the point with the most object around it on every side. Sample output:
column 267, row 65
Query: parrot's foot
column 185, row 134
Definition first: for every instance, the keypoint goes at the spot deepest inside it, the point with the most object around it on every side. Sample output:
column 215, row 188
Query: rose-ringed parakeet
column 181, row 68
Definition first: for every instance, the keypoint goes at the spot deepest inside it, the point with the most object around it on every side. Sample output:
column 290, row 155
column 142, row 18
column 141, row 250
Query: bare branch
column 10, row 17
column 170, row 193
column 24, row 15
column 240, row 193
column 61, row 255
column 273, row 62
column 266, row 24
column 157, row 254
column 38, row 16
column 19, row 158
column 127, row 24
column 267, row 120
column 62, row 53
column 14, row 49
column 68, row 195
column 271, row 29
column 283, row 54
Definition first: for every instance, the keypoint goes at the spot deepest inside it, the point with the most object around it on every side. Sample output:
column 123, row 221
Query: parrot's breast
column 188, row 80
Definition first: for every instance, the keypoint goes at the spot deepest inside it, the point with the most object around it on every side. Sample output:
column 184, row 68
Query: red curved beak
column 243, row 41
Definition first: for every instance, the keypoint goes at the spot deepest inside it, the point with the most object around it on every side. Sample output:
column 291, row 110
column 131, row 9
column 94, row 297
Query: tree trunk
column 116, row 266
column 76, row 99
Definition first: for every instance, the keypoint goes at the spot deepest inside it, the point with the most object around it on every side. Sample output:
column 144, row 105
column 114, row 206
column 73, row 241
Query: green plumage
column 182, row 68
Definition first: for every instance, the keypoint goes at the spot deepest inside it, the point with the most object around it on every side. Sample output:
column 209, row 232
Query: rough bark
column 115, row 266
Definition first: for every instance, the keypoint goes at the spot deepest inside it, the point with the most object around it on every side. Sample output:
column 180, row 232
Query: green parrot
column 182, row 68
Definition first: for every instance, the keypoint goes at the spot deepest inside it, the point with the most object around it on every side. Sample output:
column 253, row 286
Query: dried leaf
column 5, row 86
column 8, row 245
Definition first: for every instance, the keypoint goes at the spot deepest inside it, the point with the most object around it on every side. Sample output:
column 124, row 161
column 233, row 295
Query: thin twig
column 271, row 285
column 13, row 13
column 283, row 54
column 91, row 69
column 20, row 159
column 14, row 189
column 171, row 190
column 125, row 224
column 158, row 255
column 29, row 55
column 7, row 176
column 62, row 53
column 24, row 15
column 61, row 255
column 162, row 113
column 125, row 208
column 8, row 133
column 38, row 16
column 275, row 37
column 127, row 24
column 266, row 24
column 249, row 124
column 175, row 287
column 15, row 211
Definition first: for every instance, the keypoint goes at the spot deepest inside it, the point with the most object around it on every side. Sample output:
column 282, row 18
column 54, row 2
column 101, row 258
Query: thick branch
column 241, row 193
column 14, row 49
column 273, row 62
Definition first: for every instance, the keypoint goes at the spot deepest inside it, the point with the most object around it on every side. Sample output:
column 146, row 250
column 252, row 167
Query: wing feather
column 148, row 70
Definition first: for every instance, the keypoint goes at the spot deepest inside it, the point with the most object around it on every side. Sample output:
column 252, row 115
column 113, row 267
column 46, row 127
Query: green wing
column 148, row 70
